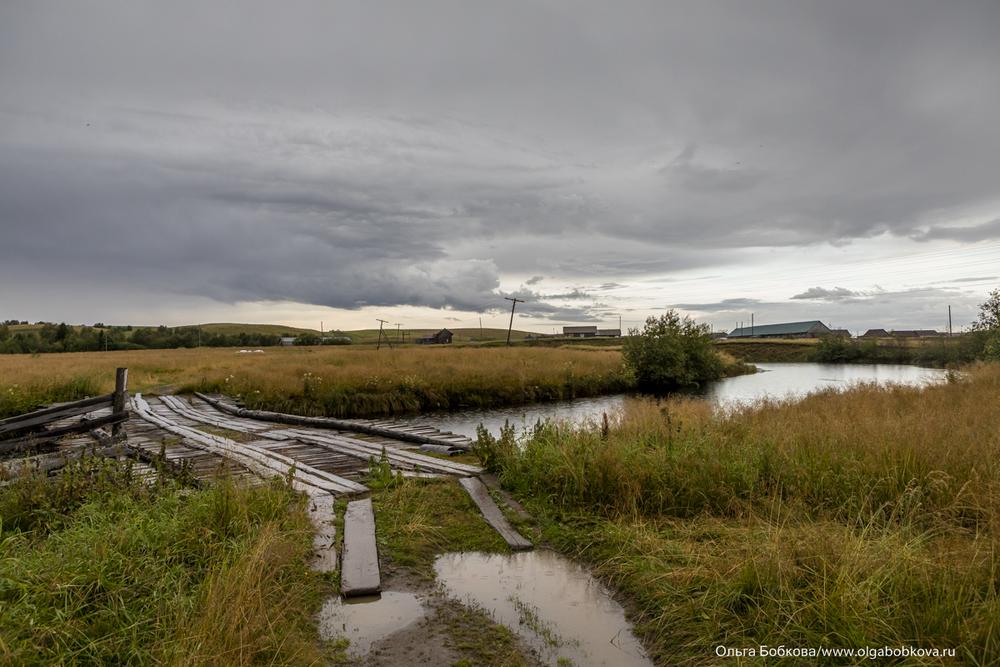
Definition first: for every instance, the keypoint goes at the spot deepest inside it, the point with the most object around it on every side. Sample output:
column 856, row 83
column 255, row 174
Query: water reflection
column 365, row 621
column 555, row 605
column 775, row 381
column 784, row 381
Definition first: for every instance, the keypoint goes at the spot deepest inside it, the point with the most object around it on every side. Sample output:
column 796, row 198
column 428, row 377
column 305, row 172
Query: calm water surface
column 774, row 381
column 552, row 603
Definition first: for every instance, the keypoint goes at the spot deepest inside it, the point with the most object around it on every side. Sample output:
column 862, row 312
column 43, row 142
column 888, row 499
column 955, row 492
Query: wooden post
column 120, row 397
column 513, row 304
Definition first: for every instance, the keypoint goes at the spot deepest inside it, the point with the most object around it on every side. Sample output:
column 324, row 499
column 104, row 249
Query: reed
column 864, row 518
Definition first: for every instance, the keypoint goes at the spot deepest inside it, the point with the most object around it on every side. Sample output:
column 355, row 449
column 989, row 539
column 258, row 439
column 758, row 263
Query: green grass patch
column 16, row 399
column 97, row 567
column 419, row 519
column 482, row 642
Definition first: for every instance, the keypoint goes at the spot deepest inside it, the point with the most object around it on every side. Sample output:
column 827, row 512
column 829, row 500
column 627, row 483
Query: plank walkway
column 359, row 574
column 493, row 515
column 323, row 458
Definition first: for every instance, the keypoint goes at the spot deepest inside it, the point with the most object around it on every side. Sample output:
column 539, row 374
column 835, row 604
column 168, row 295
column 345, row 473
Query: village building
column 876, row 333
column 590, row 331
column 442, row 337
column 809, row 329
column 580, row 331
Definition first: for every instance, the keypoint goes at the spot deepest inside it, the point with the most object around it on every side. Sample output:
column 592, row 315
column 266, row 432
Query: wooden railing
column 27, row 429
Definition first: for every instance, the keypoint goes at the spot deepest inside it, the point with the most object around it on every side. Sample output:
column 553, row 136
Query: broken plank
column 359, row 574
column 324, row 541
column 477, row 491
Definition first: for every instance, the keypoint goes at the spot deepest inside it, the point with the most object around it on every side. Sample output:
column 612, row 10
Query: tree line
column 52, row 337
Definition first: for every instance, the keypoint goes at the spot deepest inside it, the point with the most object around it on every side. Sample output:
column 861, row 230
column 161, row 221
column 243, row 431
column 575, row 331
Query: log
column 58, row 460
column 367, row 450
column 47, row 436
column 341, row 444
column 359, row 574
column 442, row 449
column 119, row 403
column 328, row 423
column 11, row 425
column 477, row 491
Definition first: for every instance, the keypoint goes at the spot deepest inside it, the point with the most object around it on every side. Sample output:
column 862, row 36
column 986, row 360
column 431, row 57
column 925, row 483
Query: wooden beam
column 328, row 423
column 38, row 418
column 261, row 461
column 120, row 402
column 359, row 573
column 493, row 515
column 43, row 437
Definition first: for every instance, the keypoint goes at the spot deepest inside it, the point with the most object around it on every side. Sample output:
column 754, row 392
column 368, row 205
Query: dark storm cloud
column 417, row 153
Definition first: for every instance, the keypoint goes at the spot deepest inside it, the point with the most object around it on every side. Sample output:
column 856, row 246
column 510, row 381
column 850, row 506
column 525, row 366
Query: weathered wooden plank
column 42, row 417
column 40, row 438
column 359, row 574
column 325, row 539
column 261, row 461
column 367, row 450
column 119, row 399
column 477, row 491
column 320, row 422
column 361, row 449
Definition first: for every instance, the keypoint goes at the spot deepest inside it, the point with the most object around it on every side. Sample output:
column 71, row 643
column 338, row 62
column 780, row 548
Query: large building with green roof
column 810, row 329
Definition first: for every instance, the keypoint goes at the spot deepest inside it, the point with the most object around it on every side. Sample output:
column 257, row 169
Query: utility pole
column 398, row 339
column 949, row 320
column 480, row 327
column 751, row 325
column 378, row 345
column 513, row 304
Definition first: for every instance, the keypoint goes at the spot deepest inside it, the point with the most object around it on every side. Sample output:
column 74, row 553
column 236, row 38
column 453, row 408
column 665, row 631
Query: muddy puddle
column 364, row 621
column 553, row 604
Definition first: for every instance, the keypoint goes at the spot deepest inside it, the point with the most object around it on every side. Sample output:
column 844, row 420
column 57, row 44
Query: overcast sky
column 297, row 162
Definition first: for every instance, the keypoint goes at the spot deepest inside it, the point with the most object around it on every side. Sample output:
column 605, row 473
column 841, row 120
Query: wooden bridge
column 208, row 436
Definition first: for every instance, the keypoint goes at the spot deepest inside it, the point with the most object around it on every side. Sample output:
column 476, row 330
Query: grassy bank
column 98, row 568
column 868, row 518
column 322, row 380
column 935, row 352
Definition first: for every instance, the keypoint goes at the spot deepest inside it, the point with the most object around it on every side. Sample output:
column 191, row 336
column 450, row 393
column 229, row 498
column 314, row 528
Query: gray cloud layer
column 350, row 154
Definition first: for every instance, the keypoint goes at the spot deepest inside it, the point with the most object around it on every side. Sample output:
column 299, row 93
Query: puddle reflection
column 555, row 605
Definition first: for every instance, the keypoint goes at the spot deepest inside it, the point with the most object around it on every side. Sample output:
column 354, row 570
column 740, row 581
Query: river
column 774, row 381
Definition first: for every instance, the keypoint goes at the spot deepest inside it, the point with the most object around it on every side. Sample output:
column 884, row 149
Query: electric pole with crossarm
column 513, row 304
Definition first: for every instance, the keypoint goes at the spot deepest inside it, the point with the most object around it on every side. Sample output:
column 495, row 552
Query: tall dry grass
column 332, row 381
column 863, row 518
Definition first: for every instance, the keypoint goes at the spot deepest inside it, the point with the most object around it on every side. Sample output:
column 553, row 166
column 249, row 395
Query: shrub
column 671, row 353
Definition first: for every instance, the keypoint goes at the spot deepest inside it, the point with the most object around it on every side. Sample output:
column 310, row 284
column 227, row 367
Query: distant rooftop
column 784, row 329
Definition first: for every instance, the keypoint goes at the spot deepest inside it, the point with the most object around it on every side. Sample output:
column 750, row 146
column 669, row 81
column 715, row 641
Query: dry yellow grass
column 327, row 380
column 864, row 518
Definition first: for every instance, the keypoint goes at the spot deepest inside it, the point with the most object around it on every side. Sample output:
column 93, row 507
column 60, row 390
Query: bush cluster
column 672, row 353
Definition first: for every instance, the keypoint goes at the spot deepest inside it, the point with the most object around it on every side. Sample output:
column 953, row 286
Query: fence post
column 120, row 396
